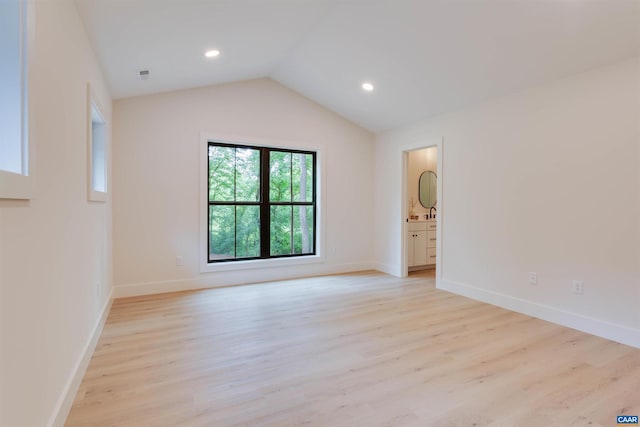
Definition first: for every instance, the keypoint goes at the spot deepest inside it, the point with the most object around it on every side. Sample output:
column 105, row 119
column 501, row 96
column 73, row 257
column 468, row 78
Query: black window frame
column 264, row 202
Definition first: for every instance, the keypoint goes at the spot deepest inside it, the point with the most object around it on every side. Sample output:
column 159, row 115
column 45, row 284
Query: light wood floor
column 361, row 349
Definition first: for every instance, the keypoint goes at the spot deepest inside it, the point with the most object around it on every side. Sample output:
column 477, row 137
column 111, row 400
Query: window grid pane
column 302, row 177
column 221, row 174
column 247, row 175
column 279, row 176
column 247, row 231
column 303, row 226
column 281, row 237
column 221, row 232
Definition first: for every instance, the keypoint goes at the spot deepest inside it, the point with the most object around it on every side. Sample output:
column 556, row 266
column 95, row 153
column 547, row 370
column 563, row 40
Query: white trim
column 27, row 46
column 213, row 281
column 16, row 186
column 590, row 325
column 264, row 263
column 319, row 149
column 404, row 214
column 439, row 215
column 388, row 269
column 65, row 401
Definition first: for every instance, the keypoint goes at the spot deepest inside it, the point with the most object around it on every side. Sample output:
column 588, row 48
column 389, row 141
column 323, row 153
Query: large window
column 14, row 150
column 262, row 202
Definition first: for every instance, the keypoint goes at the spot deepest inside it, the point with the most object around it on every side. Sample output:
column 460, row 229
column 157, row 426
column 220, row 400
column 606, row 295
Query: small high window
column 97, row 150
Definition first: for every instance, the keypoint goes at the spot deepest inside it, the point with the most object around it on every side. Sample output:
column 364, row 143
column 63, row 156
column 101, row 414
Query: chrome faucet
column 433, row 208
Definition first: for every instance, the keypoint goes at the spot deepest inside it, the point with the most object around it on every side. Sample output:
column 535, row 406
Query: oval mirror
column 427, row 189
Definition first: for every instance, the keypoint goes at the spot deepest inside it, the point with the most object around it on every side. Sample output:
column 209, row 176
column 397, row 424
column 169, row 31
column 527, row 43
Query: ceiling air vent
column 144, row 74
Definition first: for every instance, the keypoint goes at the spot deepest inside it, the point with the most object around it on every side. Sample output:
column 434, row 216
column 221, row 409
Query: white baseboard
column 391, row 269
column 590, row 325
column 222, row 279
column 63, row 406
column 351, row 267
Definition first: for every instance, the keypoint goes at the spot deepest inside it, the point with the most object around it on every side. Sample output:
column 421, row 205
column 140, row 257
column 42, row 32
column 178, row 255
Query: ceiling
column 424, row 57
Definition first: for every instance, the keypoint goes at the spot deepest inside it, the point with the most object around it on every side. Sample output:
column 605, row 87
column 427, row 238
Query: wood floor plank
column 361, row 349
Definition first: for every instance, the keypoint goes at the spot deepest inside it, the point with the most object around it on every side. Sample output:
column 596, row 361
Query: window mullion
column 265, row 209
column 313, row 199
column 209, row 202
column 291, row 177
column 291, row 240
column 235, row 201
column 291, row 200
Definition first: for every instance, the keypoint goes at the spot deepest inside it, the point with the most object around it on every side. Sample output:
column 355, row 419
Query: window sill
column 15, row 186
column 260, row 263
column 97, row 196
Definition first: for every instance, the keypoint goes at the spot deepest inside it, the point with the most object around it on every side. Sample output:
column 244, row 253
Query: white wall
column 157, row 147
column 545, row 181
column 419, row 161
column 55, row 249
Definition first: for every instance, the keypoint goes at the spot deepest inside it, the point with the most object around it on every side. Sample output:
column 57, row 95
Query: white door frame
column 404, row 209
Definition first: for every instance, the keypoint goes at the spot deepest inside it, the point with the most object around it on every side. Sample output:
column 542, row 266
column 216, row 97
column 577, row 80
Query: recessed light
column 212, row 53
column 367, row 86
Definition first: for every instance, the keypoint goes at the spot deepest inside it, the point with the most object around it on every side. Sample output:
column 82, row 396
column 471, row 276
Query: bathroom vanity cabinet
column 421, row 243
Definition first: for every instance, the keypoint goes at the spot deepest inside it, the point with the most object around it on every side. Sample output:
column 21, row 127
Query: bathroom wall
column 419, row 161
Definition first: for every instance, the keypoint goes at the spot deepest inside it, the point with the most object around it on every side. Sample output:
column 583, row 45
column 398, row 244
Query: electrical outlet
column 578, row 287
column 533, row 278
column 179, row 262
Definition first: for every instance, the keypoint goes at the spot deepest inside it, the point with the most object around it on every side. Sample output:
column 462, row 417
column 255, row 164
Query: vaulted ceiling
column 424, row 57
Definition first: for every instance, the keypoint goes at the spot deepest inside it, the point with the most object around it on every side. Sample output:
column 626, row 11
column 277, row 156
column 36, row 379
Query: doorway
column 422, row 211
